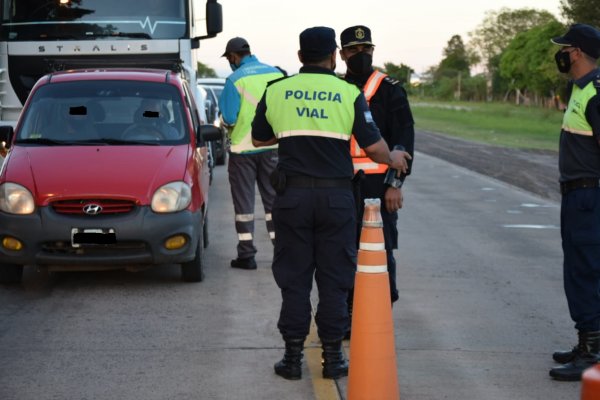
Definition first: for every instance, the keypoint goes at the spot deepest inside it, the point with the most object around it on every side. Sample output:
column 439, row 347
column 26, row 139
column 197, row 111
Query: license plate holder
column 88, row 237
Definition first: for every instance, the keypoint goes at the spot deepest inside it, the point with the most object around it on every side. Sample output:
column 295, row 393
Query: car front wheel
column 193, row 271
column 11, row 273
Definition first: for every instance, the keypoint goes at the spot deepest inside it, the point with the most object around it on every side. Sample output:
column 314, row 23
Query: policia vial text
column 312, row 96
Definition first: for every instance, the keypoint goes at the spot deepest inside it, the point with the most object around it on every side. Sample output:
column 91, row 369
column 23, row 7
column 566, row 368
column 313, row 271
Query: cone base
column 373, row 371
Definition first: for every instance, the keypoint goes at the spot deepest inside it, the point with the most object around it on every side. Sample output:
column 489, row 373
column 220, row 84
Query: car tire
column 11, row 273
column 205, row 240
column 193, row 271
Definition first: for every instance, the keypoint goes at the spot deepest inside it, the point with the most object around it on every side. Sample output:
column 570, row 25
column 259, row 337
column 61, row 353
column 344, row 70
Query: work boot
column 563, row 357
column 290, row 366
column 334, row 364
column 585, row 355
column 244, row 263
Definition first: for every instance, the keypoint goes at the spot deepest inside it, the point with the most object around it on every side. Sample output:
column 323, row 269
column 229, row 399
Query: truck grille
column 105, row 206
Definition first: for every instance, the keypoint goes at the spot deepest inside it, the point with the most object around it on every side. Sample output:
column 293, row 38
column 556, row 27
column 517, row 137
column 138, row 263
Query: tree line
column 512, row 52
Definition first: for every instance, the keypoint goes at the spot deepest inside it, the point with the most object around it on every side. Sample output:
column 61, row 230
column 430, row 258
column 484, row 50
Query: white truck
column 41, row 36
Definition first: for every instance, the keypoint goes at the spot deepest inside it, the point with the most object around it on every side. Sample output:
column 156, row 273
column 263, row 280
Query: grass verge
column 493, row 123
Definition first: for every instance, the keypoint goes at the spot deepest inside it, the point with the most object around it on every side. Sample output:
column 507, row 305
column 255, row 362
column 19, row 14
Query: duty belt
column 311, row 182
column 566, row 187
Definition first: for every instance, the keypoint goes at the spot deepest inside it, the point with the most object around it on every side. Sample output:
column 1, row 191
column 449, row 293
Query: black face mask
column 360, row 63
column 563, row 61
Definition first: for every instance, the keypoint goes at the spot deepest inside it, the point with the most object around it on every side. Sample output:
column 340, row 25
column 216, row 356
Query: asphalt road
column 481, row 309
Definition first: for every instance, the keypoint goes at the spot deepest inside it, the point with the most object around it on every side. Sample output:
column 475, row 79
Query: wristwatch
column 394, row 183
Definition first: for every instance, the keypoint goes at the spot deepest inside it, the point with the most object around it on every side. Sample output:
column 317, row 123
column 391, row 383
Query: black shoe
column 572, row 371
column 244, row 263
column 563, row 357
column 585, row 355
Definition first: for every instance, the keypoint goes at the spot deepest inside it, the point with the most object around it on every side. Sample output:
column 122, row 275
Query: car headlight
column 16, row 199
column 172, row 197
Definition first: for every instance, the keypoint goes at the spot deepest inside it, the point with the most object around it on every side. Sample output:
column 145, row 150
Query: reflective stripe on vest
column 574, row 120
column 251, row 88
column 359, row 157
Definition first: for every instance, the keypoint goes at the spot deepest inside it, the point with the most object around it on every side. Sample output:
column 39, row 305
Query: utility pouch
column 278, row 181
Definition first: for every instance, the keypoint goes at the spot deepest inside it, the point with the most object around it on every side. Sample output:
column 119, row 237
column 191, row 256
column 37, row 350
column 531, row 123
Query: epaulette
column 391, row 81
column 278, row 79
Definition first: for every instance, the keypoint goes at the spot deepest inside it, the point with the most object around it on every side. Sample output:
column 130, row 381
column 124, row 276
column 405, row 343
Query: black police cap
column 237, row 44
column 354, row 35
column 318, row 41
column 582, row 36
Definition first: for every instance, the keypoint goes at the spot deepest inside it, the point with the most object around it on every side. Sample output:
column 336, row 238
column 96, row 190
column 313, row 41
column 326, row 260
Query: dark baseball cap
column 354, row 35
column 236, row 44
column 318, row 41
column 583, row 36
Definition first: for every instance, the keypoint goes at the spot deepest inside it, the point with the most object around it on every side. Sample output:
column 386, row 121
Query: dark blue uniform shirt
column 318, row 157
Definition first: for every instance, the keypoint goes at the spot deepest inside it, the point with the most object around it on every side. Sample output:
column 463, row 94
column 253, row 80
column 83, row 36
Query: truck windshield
column 104, row 112
column 24, row 20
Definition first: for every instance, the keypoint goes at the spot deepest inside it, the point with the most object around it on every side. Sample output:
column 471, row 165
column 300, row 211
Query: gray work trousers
column 246, row 171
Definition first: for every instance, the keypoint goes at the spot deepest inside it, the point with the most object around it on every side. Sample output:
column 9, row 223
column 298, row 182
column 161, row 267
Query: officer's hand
column 224, row 124
column 393, row 199
column 399, row 159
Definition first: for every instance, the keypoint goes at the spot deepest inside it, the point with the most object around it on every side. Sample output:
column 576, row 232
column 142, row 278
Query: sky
column 414, row 33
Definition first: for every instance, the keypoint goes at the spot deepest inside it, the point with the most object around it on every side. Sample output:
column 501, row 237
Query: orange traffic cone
column 590, row 387
column 372, row 372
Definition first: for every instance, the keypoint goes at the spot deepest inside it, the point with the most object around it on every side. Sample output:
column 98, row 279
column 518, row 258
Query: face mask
column 360, row 63
column 233, row 66
column 563, row 61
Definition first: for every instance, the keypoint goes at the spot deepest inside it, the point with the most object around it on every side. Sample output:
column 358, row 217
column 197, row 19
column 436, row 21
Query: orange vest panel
column 359, row 157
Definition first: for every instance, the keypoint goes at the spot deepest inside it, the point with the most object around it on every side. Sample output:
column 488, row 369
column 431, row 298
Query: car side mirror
column 6, row 135
column 210, row 133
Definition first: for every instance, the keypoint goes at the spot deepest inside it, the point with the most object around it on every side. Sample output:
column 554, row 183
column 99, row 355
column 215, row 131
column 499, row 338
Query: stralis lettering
column 95, row 48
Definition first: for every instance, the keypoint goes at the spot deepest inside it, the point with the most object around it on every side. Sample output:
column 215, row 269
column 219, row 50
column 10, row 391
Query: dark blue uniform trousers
column 580, row 231
column 372, row 188
column 315, row 236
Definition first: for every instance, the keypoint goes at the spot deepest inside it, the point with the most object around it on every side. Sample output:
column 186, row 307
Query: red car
column 105, row 169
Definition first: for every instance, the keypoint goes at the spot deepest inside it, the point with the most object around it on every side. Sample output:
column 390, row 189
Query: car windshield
column 104, row 112
column 90, row 19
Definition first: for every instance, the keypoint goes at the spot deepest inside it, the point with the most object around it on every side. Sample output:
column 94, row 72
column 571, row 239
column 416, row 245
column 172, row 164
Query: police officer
column 579, row 166
column 389, row 106
column 312, row 115
column 248, row 166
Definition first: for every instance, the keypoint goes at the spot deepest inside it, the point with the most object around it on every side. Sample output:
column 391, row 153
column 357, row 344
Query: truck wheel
column 193, row 271
column 11, row 273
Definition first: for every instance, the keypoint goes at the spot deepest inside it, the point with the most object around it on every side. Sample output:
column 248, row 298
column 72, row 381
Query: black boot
column 334, row 364
column 585, row 355
column 290, row 366
column 563, row 357
column 244, row 263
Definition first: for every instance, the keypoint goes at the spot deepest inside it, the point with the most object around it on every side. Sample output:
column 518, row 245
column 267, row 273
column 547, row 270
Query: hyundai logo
column 92, row 209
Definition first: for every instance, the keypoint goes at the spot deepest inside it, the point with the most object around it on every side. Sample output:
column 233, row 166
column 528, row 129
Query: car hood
column 124, row 172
